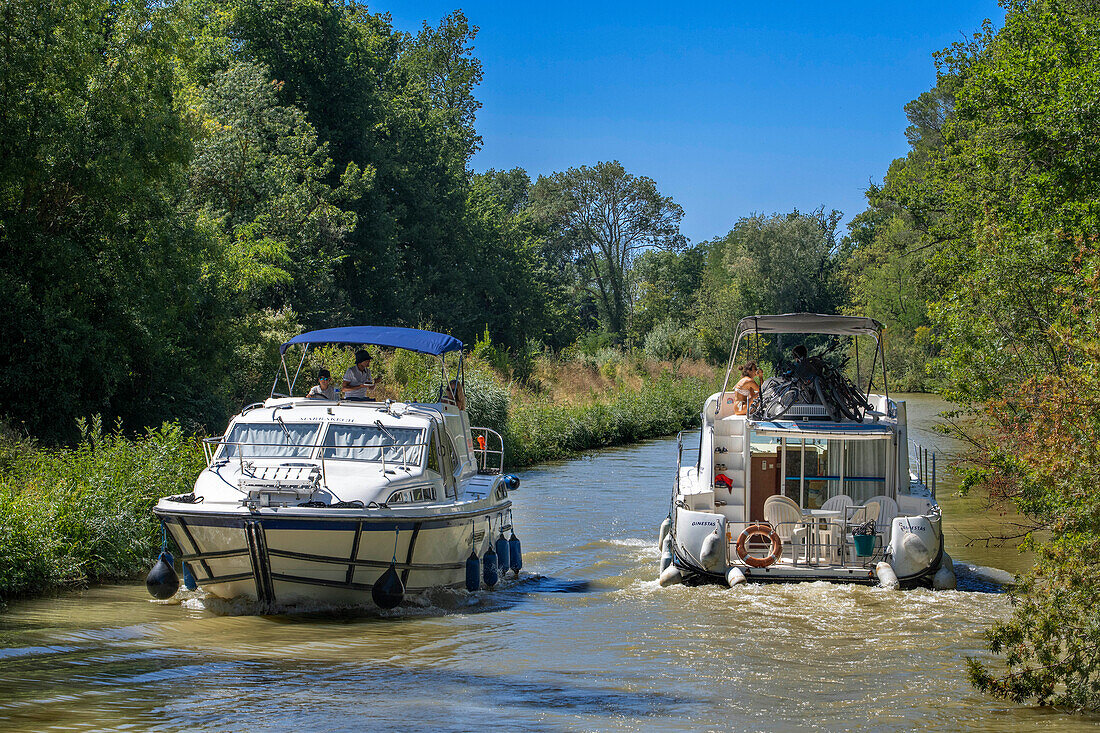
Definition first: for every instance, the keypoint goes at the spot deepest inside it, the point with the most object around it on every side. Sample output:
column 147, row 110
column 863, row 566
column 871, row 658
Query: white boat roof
column 294, row 409
column 811, row 323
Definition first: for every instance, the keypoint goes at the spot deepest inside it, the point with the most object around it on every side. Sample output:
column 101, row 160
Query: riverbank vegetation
column 81, row 514
column 993, row 222
column 186, row 184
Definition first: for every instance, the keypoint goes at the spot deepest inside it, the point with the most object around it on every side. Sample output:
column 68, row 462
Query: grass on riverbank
column 79, row 515
column 540, row 431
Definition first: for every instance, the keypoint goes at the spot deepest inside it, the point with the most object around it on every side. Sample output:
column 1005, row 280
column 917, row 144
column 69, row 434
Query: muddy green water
column 584, row 641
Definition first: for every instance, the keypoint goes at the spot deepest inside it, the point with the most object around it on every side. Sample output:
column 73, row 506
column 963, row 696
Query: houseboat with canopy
column 806, row 478
column 339, row 501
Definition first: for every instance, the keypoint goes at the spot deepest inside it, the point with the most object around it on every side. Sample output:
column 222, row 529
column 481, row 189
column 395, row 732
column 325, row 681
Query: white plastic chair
column 888, row 511
column 838, row 503
column 870, row 510
column 785, row 518
column 833, row 530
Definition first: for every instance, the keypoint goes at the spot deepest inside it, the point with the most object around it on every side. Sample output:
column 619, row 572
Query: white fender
column 670, row 576
column 666, row 553
column 713, row 552
column 735, row 576
column 944, row 579
column 886, row 576
column 665, row 527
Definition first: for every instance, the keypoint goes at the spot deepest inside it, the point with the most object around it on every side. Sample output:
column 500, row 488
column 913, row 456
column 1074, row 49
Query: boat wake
column 982, row 579
column 434, row 602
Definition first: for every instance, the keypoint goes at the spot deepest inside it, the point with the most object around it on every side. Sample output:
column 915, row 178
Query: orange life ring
column 759, row 530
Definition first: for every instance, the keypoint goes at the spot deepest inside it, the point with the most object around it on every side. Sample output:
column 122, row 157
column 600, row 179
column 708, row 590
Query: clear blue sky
column 731, row 108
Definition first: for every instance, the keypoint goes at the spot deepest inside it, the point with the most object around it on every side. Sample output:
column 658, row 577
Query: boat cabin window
column 415, row 495
column 270, row 440
column 402, row 446
column 433, row 455
column 443, row 459
column 817, row 469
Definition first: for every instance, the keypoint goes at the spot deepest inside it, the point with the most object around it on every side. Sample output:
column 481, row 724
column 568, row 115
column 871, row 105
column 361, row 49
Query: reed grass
column 543, row 430
column 80, row 515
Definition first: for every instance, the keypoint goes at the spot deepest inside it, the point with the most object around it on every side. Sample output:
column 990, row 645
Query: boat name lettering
column 704, row 524
column 323, row 418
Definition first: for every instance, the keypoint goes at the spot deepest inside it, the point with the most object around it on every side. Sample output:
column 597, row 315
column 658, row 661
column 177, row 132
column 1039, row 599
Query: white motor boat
column 309, row 500
column 810, row 481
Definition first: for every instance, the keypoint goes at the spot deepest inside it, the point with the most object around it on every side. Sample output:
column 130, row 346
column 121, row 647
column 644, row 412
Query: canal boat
column 337, row 501
column 806, row 478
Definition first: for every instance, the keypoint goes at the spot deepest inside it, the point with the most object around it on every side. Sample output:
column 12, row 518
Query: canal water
column 584, row 640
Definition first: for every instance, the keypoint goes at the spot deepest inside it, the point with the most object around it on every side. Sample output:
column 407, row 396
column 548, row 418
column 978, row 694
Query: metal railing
column 823, row 543
column 488, row 450
column 926, row 467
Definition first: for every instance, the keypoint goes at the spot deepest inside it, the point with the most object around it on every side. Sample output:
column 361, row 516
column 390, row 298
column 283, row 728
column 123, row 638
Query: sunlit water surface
column 584, row 640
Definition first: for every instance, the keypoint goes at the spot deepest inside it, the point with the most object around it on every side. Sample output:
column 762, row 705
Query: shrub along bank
column 79, row 515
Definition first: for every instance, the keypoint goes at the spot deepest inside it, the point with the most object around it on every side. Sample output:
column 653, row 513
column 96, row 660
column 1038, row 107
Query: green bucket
column 865, row 544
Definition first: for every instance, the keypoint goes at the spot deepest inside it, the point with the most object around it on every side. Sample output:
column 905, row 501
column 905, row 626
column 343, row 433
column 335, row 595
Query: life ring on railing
column 759, row 530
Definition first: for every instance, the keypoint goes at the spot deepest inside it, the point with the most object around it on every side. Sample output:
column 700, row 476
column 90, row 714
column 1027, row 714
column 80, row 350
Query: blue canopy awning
column 412, row 339
column 845, row 431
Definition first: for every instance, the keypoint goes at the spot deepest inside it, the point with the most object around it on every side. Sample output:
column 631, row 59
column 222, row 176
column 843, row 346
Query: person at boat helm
column 748, row 389
column 453, row 394
column 358, row 384
column 802, row 368
column 324, row 389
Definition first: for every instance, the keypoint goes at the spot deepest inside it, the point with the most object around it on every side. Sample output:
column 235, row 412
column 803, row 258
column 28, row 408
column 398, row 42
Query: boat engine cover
column 692, row 530
column 915, row 543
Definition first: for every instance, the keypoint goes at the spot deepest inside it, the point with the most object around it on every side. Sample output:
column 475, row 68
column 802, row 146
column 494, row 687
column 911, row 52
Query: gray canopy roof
column 810, row 323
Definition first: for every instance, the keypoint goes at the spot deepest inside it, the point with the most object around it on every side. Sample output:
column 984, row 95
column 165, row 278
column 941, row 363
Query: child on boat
column 748, row 389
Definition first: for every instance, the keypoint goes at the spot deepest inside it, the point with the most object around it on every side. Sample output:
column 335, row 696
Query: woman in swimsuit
column 748, row 389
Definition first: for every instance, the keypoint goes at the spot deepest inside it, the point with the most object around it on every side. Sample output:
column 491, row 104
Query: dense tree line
column 183, row 184
column 992, row 221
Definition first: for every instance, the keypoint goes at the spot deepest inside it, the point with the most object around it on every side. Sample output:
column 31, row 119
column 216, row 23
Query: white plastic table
column 812, row 519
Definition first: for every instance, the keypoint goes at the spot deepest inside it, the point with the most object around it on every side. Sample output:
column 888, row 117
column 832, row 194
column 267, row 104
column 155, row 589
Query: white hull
column 327, row 556
column 913, row 547
column 325, row 500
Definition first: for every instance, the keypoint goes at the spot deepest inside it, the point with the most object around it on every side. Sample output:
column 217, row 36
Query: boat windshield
column 270, row 440
column 374, row 443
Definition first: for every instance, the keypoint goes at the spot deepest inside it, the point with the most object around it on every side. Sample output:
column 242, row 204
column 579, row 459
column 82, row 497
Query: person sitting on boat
column 453, row 394
column 358, row 384
column 748, row 389
column 324, row 389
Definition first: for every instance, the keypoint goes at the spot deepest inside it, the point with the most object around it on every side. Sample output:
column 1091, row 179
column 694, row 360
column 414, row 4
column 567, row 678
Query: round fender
column 759, row 530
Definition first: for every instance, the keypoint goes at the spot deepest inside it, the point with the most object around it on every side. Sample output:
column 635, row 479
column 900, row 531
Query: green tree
column 1000, row 195
column 606, row 217
column 258, row 177
column 102, row 289
column 397, row 106
column 666, row 282
column 769, row 264
column 510, row 290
